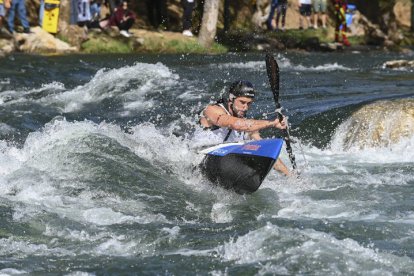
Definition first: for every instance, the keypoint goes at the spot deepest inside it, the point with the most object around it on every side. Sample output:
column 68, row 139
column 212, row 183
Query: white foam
column 307, row 251
column 191, row 252
column 6, row 129
column 12, row 246
column 24, row 95
column 79, row 273
column 121, row 247
column 40, row 172
column 130, row 84
column 106, row 216
column 256, row 65
column 11, row 271
column 112, row 83
column 284, row 63
column 323, row 68
column 253, row 65
column 172, row 233
column 220, row 213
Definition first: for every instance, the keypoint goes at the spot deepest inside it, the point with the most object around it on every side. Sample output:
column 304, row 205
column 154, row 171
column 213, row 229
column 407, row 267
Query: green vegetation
column 357, row 40
column 105, row 44
column 63, row 38
column 408, row 38
column 176, row 45
column 147, row 42
column 301, row 36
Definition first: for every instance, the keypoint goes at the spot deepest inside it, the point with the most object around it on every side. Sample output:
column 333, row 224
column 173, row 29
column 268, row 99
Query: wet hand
column 280, row 124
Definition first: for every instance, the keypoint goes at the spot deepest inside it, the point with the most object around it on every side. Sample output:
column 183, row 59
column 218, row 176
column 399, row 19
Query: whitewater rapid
column 101, row 177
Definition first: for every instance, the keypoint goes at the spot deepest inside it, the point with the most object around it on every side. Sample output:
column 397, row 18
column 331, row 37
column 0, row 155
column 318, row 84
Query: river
column 97, row 169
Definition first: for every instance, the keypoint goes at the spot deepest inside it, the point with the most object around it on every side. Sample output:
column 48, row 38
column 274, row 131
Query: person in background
column 4, row 6
column 73, row 19
column 340, row 32
column 305, row 10
column 95, row 6
column 84, row 13
column 269, row 20
column 19, row 6
column 157, row 13
column 41, row 12
column 319, row 9
column 281, row 11
column 188, row 6
column 123, row 18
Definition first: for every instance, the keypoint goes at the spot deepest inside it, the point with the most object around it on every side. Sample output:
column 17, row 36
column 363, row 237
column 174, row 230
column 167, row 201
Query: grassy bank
column 143, row 41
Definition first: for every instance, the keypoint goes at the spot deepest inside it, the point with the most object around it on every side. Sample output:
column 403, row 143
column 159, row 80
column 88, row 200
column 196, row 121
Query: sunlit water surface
column 97, row 169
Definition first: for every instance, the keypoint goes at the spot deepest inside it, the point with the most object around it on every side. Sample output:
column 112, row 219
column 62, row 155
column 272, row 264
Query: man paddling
column 226, row 118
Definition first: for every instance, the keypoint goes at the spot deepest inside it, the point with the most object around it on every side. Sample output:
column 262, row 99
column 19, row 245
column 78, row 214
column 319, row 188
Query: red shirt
column 118, row 16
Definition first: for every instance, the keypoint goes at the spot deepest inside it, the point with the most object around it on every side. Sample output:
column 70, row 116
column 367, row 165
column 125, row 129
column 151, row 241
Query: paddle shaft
column 273, row 75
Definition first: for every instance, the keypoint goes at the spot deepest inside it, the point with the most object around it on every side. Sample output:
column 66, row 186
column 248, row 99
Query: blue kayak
column 241, row 167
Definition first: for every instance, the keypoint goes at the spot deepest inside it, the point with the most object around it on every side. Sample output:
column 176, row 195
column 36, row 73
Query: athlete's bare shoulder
column 215, row 115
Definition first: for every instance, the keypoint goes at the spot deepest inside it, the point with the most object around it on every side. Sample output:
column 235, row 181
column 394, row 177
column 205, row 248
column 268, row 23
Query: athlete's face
column 241, row 105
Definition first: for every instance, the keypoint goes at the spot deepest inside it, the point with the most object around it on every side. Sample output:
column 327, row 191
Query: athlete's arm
column 279, row 165
column 215, row 115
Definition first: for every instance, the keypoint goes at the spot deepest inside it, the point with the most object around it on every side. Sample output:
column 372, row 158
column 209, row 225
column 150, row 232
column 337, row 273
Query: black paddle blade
column 273, row 74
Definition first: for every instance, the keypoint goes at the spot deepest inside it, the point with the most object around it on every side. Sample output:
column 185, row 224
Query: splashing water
column 101, row 177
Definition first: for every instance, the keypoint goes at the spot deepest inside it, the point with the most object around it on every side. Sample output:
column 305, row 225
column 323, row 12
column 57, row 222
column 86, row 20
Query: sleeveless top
column 84, row 12
column 217, row 135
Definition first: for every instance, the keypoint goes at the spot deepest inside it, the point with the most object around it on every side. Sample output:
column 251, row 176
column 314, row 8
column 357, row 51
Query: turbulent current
column 98, row 173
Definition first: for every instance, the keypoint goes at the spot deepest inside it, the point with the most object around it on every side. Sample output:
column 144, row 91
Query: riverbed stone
column 6, row 47
column 40, row 41
column 380, row 124
column 399, row 63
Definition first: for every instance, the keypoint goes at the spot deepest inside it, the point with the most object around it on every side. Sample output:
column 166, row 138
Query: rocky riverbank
column 145, row 41
column 363, row 34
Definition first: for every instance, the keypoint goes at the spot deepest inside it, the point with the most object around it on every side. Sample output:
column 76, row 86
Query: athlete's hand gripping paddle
column 273, row 74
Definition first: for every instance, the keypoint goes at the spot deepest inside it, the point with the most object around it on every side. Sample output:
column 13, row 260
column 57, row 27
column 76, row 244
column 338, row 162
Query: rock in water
column 377, row 125
column 402, row 63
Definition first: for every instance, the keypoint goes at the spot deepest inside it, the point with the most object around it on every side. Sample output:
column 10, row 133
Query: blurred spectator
column 84, row 13
column 281, row 11
column 41, row 12
column 157, row 13
column 226, row 15
column 73, row 20
column 340, row 24
column 305, row 10
column 188, row 6
column 19, row 6
column 123, row 18
column 319, row 9
column 89, row 14
column 95, row 10
column 4, row 6
column 269, row 20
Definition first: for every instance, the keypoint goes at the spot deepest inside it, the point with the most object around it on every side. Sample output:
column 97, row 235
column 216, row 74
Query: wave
column 306, row 251
column 323, row 68
column 284, row 63
column 129, row 85
column 91, row 172
column 67, row 166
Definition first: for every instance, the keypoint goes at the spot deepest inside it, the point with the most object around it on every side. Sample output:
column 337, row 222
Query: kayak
column 241, row 167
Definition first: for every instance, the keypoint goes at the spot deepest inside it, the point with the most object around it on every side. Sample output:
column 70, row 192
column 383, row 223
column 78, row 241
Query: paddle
column 273, row 74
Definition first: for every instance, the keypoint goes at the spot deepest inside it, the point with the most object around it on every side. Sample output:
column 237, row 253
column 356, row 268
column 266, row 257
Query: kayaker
column 226, row 119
